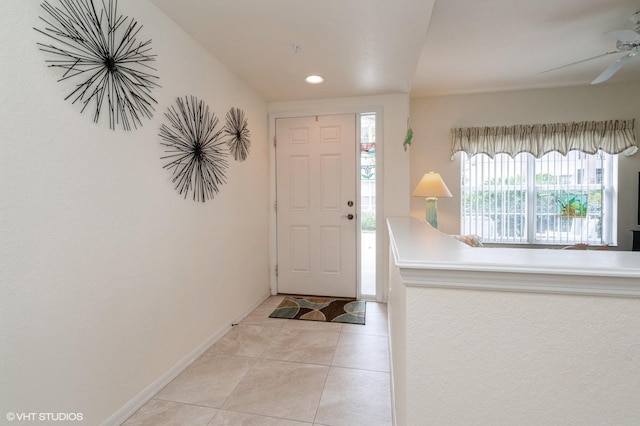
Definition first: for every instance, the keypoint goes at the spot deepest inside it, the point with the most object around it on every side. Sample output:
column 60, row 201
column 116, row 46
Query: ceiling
column 425, row 47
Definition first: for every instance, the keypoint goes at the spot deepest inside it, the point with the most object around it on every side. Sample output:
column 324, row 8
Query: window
column 555, row 199
column 368, row 163
column 368, row 285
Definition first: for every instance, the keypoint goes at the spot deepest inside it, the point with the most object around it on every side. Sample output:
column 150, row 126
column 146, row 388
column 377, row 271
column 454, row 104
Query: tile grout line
column 255, row 359
column 262, row 415
column 239, row 381
column 315, row 416
column 324, row 385
column 183, row 403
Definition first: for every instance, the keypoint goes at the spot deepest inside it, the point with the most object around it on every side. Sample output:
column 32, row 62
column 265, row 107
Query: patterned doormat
column 329, row 309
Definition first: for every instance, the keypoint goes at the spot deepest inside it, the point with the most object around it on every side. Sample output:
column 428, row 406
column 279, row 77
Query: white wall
column 499, row 358
column 511, row 336
column 397, row 315
column 108, row 277
column 432, row 119
column 390, row 153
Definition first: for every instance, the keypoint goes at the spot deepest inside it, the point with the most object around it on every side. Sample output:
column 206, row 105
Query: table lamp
column 431, row 187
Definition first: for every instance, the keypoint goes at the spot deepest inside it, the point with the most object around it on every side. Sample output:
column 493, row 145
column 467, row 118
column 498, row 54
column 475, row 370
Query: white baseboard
column 149, row 392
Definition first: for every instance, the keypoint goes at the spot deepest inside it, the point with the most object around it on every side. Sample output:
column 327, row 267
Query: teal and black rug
column 328, row 309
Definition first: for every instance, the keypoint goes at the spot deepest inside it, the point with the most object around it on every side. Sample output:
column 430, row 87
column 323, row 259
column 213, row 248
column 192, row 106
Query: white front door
column 316, row 205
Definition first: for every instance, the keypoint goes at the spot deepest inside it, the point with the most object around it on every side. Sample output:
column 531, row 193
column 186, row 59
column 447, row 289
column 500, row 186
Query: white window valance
column 612, row 137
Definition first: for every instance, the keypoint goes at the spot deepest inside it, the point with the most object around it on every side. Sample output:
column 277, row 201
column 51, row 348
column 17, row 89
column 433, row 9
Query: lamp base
column 431, row 211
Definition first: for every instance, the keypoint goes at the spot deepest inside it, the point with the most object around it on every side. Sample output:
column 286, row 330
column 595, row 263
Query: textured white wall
column 397, row 314
column 497, row 358
column 467, row 351
column 432, row 119
column 108, row 277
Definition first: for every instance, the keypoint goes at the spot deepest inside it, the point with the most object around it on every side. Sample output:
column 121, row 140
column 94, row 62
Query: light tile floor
column 279, row 372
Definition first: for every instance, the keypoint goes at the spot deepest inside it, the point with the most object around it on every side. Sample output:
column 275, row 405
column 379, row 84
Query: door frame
column 380, row 223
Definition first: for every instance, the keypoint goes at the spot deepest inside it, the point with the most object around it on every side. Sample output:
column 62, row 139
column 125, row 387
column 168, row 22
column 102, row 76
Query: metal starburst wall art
column 195, row 149
column 237, row 131
column 98, row 50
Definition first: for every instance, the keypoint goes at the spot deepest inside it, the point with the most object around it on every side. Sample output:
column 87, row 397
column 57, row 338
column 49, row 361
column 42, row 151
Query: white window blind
column 555, row 199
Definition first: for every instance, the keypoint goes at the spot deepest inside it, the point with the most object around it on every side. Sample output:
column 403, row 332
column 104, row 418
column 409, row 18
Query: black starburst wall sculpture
column 237, row 131
column 98, row 50
column 195, row 149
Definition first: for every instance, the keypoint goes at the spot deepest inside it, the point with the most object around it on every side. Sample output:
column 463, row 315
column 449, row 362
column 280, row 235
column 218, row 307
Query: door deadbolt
column 350, row 203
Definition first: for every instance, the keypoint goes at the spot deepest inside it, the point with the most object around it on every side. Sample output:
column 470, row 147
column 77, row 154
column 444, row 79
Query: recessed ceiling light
column 314, row 79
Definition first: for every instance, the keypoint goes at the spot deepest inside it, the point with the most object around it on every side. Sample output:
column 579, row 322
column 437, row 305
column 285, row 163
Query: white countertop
column 418, row 246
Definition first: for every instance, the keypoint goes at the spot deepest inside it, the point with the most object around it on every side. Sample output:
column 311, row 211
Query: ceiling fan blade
column 613, row 68
column 628, row 36
column 581, row 61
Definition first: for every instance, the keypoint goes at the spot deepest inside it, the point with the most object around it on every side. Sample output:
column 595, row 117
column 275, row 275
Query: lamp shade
column 431, row 185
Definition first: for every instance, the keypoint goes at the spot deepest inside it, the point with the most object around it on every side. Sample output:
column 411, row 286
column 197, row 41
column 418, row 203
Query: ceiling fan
column 626, row 41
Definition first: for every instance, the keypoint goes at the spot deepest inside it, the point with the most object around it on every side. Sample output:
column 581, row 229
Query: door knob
column 348, row 216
